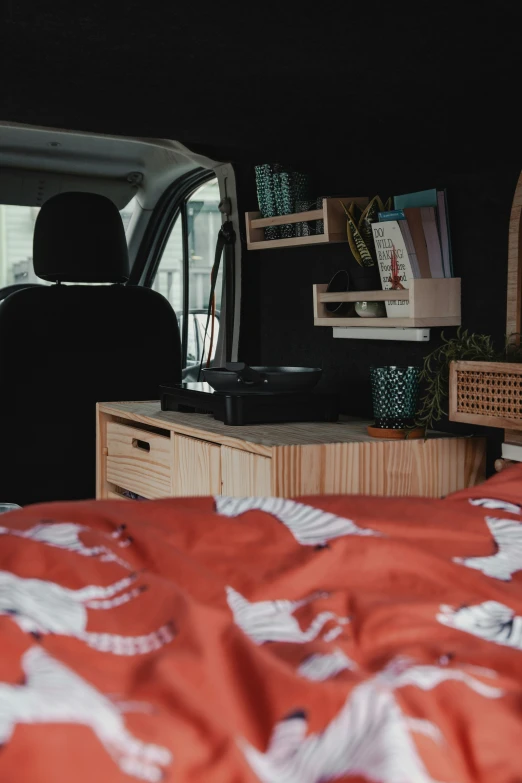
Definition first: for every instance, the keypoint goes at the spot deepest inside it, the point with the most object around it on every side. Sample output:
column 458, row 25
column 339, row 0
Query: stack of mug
column 281, row 190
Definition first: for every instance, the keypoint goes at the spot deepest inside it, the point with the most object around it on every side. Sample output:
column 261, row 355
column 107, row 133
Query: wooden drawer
column 139, row 461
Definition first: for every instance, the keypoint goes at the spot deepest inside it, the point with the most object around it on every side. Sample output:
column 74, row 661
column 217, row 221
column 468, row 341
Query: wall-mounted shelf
column 332, row 214
column 433, row 302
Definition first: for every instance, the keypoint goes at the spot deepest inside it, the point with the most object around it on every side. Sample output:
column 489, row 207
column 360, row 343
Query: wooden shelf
column 433, row 302
column 332, row 214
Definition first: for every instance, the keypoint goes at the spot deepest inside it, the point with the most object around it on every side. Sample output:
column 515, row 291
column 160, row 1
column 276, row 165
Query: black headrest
column 79, row 238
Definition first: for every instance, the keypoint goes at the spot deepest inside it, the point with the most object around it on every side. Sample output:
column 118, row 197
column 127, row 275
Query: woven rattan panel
column 492, row 394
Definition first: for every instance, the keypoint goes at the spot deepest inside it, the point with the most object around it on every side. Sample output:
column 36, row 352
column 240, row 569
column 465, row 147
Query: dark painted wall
column 277, row 325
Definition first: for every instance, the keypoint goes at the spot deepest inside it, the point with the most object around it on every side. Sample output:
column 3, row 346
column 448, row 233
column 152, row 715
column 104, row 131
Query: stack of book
column 418, row 231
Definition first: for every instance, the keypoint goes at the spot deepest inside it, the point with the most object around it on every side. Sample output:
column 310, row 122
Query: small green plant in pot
column 465, row 346
column 363, row 269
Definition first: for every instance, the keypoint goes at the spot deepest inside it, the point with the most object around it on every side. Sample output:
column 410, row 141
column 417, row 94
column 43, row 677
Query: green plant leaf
column 436, row 369
column 357, row 244
column 369, row 216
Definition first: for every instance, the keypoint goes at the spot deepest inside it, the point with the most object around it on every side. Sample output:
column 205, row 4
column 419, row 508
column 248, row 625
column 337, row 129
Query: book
column 387, row 235
column 398, row 214
column 423, row 198
column 392, row 214
column 447, row 260
column 438, row 244
column 414, row 218
column 431, row 232
column 410, row 247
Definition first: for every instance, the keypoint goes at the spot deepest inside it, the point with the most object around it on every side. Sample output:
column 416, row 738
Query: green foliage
column 435, row 373
column 359, row 229
column 369, row 216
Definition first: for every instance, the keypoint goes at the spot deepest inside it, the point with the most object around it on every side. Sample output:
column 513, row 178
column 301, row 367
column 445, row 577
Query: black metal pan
column 239, row 378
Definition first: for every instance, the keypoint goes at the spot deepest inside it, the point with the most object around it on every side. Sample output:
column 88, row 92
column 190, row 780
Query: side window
column 202, row 221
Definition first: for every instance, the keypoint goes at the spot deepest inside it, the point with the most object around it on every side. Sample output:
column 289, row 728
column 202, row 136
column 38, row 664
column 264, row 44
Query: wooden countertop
column 347, row 430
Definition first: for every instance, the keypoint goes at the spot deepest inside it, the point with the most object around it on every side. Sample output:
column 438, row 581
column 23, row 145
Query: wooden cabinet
column 244, row 474
column 196, row 467
column 156, row 454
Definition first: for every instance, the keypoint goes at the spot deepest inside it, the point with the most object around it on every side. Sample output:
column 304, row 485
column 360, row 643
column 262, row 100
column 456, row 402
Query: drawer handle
column 141, row 444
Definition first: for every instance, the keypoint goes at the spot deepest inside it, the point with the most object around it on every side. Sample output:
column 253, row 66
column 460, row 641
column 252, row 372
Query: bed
column 256, row 639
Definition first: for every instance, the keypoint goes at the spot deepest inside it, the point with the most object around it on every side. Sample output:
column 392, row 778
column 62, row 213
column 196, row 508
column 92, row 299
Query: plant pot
column 340, row 283
column 364, row 278
column 394, row 394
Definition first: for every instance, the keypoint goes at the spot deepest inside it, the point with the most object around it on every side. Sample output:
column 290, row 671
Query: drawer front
column 139, row 461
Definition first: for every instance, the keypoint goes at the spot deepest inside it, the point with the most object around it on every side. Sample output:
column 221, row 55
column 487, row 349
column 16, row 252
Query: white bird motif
column 66, row 536
column 370, row 737
column 41, row 607
column 53, row 693
column 310, row 526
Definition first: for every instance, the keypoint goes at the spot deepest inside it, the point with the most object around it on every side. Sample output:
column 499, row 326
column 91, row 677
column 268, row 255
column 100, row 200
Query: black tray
column 242, row 409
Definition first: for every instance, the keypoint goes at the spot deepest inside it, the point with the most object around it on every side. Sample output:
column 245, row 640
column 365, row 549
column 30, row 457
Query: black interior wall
column 277, row 319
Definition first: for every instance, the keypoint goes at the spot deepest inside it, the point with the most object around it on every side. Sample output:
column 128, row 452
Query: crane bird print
column 66, row 536
column 490, row 620
column 274, row 621
column 496, row 505
column 369, row 737
column 41, row 607
column 53, row 693
column 310, row 526
column 507, row 560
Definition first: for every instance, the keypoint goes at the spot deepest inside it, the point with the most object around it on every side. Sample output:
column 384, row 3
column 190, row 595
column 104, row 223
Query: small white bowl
column 370, row 309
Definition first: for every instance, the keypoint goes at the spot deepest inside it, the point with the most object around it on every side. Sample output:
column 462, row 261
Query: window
column 203, row 221
column 16, row 242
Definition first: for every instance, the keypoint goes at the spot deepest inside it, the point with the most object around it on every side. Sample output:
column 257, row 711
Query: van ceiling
column 265, row 81
column 37, row 163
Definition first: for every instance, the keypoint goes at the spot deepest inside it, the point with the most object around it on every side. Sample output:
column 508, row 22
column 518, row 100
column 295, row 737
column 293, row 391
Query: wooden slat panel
column 147, row 473
column 512, row 436
column 282, row 220
column 366, row 296
column 272, row 244
column 197, row 467
column 514, row 280
column 432, row 468
column 389, row 322
column 101, row 454
column 435, row 298
column 245, row 474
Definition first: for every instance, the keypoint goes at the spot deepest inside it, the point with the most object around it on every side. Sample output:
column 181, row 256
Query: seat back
column 63, row 348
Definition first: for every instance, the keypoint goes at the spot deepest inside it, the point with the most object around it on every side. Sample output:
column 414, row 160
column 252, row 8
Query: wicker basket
column 486, row 393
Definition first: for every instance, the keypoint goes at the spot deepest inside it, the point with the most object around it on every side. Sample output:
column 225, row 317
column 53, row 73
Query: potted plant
column 364, row 272
column 479, row 352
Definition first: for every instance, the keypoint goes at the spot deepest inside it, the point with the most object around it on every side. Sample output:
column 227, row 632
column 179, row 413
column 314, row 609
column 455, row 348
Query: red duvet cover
column 242, row 640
